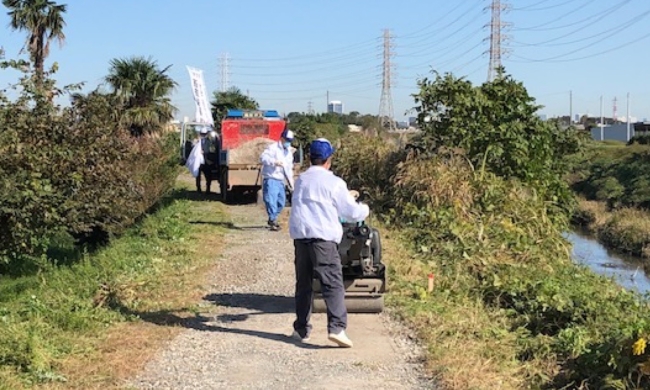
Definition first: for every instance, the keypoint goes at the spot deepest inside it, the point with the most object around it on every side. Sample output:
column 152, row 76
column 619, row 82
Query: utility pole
column 496, row 36
column 602, row 120
column 570, row 108
column 224, row 71
column 628, row 117
column 386, row 115
column 327, row 105
column 615, row 111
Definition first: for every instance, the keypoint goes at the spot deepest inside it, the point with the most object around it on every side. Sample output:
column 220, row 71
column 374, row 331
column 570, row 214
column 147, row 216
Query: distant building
column 618, row 132
column 413, row 121
column 335, row 106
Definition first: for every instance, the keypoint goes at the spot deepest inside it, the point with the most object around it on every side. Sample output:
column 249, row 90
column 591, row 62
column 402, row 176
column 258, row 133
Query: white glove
column 279, row 163
column 355, row 194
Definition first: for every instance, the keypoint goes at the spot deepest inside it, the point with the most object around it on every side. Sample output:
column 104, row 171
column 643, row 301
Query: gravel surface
column 246, row 344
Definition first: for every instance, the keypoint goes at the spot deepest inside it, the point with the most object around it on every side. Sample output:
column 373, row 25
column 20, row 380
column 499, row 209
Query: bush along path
column 242, row 338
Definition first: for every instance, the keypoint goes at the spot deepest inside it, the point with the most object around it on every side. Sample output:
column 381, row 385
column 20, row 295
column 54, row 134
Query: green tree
column 308, row 127
column 143, row 91
column 230, row 99
column 497, row 126
column 43, row 22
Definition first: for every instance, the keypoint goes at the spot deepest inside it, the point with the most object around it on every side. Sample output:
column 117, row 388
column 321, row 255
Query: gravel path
column 246, row 345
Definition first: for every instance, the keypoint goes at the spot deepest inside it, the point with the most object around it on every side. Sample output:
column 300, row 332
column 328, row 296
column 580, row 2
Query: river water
column 625, row 270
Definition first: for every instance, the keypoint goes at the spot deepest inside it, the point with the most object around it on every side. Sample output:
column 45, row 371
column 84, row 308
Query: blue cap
column 321, row 148
column 288, row 135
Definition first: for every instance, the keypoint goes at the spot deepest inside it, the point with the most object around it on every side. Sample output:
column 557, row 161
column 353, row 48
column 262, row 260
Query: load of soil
column 249, row 152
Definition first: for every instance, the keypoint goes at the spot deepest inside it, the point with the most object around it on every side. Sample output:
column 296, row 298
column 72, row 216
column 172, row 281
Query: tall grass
column 507, row 293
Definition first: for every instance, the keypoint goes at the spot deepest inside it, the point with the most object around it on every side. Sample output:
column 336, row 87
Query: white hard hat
column 205, row 130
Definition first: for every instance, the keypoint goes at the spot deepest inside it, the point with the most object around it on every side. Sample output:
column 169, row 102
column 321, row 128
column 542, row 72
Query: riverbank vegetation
column 93, row 323
column 80, row 249
column 612, row 180
column 480, row 202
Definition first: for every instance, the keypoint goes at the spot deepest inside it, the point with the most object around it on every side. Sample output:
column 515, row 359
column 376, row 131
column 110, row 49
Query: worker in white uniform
column 320, row 200
column 277, row 166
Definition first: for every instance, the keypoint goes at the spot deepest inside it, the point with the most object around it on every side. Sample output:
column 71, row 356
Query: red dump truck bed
column 240, row 127
column 244, row 136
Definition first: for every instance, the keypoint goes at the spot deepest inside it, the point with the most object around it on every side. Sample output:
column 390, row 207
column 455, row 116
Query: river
column 626, row 270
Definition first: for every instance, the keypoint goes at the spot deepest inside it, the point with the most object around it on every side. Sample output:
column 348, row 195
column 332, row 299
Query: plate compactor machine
column 364, row 275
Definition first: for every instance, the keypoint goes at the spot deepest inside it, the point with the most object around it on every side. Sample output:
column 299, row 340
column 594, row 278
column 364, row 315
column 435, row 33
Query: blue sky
column 287, row 53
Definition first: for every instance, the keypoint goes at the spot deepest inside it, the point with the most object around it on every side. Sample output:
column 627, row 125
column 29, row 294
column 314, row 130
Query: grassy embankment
column 94, row 323
column 612, row 181
column 509, row 309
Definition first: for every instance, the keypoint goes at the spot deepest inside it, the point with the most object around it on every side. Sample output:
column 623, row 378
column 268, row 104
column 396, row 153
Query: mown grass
column 509, row 309
column 92, row 324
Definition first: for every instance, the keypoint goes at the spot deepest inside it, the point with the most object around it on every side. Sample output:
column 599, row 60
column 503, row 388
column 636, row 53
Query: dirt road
column 244, row 342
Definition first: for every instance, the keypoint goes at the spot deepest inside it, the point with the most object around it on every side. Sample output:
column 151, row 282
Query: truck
column 240, row 140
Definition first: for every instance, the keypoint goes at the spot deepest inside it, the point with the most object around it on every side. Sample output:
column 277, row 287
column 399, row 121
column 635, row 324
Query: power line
column 434, row 33
column 313, row 55
column 620, row 27
column 311, row 61
column 584, row 57
column 462, row 15
column 545, row 26
column 528, row 7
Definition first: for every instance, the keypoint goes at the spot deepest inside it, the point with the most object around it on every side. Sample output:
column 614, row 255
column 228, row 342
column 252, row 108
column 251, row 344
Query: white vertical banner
column 203, row 114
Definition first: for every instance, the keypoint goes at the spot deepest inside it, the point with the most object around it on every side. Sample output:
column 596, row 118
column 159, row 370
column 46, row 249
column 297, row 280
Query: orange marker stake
column 430, row 282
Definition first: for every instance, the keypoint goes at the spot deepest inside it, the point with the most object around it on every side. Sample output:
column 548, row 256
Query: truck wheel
column 223, row 184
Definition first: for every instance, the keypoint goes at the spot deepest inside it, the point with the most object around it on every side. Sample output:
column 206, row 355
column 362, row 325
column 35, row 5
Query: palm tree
column 43, row 21
column 143, row 91
column 230, row 99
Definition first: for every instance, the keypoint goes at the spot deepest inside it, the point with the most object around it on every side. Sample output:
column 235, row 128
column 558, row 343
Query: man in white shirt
column 206, row 147
column 277, row 166
column 320, row 200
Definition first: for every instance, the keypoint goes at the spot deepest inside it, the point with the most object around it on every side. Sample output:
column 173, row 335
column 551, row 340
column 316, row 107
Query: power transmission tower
column 386, row 115
column 310, row 108
column 224, row 71
column 496, row 36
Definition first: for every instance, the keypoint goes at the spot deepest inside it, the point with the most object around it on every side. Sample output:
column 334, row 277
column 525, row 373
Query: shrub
column 74, row 170
column 619, row 176
column 498, row 241
column 496, row 125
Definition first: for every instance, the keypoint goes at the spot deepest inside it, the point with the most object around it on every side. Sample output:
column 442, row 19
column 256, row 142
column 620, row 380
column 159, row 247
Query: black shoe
column 275, row 227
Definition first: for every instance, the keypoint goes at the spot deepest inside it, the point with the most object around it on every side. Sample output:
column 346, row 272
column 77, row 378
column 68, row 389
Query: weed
column 49, row 319
column 506, row 292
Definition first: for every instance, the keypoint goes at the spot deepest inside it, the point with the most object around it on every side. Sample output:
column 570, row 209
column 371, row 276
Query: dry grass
column 626, row 229
column 595, row 213
column 125, row 348
column 120, row 354
column 437, row 182
column 464, row 350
